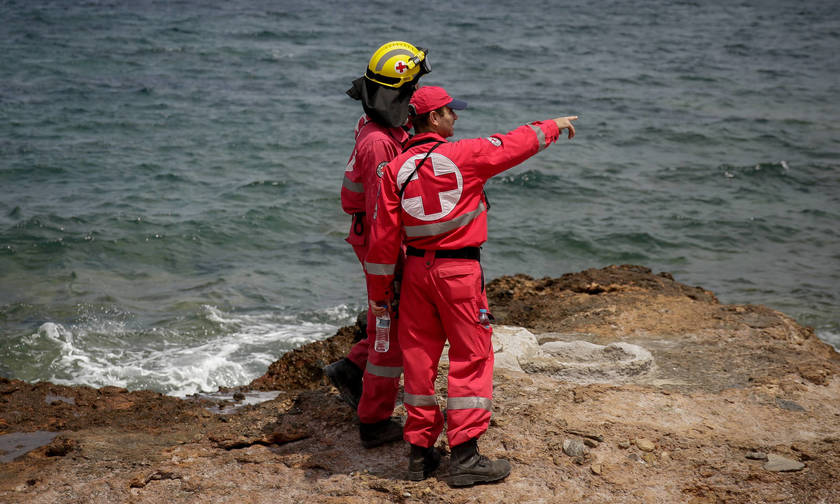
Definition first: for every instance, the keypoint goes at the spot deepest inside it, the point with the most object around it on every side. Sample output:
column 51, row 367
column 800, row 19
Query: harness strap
column 409, row 144
column 419, row 165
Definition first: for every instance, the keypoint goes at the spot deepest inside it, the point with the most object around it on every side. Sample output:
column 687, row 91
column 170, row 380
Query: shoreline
column 737, row 403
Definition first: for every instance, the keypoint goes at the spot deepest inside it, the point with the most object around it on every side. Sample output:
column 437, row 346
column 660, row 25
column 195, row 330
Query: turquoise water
column 169, row 215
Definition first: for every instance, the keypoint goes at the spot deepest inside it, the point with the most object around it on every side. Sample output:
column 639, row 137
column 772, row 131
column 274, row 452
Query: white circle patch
column 495, row 141
column 447, row 199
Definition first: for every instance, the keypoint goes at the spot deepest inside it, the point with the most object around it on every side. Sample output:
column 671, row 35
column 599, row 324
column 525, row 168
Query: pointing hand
column 566, row 123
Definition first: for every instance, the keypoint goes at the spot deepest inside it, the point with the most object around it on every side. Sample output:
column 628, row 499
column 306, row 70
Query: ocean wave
column 261, row 35
column 758, row 170
column 558, row 188
column 269, row 185
column 231, row 350
column 529, row 178
column 155, row 138
column 832, row 337
column 776, row 176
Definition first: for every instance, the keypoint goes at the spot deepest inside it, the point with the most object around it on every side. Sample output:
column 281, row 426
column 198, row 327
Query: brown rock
column 302, row 367
column 700, row 403
column 60, row 446
column 816, row 372
column 288, row 431
column 574, row 448
column 645, row 445
column 589, row 435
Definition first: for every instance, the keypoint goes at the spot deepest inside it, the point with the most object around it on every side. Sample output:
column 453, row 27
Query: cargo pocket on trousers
column 459, row 282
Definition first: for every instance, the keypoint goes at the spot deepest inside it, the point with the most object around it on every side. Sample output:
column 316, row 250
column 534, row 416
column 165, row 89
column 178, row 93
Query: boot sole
column 417, row 475
column 463, row 480
column 374, row 444
column 421, row 474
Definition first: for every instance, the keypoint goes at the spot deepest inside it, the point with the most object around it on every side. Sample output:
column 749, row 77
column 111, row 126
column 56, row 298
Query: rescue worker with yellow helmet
column 366, row 379
column 389, row 81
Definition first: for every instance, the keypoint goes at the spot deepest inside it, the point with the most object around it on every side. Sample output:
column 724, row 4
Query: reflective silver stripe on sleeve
column 353, row 186
column 419, row 400
column 443, row 227
column 484, row 403
column 379, row 269
column 540, row 135
column 384, row 371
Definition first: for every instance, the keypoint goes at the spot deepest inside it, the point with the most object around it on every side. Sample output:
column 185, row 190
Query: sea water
column 170, row 171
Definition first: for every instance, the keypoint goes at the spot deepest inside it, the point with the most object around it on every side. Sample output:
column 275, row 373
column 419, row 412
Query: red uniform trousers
column 442, row 298
column 382, row 370
column 359, row 352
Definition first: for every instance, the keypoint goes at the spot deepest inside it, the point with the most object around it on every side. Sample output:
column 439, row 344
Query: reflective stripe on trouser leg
column 420, row 400
column 383, row 371
column 359, row 352
column 455, row 403
column 422, row 340
column 381, row 380
column 470, row 382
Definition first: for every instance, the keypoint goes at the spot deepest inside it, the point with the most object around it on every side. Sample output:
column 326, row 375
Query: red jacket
column 375, row 145
column 443, row 205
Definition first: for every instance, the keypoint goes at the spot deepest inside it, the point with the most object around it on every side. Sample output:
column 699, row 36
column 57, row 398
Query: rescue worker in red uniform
column 369, row 380
column 432, row 199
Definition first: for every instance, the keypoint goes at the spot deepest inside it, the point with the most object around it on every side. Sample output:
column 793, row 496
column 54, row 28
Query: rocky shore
column 612, row 385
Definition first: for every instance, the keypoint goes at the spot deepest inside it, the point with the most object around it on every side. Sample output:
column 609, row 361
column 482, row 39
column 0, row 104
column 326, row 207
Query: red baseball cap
column 428, row 98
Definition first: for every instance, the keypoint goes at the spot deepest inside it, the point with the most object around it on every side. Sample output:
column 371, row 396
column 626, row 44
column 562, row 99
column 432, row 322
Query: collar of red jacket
column 428, row 136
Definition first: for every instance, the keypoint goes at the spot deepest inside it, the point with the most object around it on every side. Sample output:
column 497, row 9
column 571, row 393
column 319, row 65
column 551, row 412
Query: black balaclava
column 385, row 105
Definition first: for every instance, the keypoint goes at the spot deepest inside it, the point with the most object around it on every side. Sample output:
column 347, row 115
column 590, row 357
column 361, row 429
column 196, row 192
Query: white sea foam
column 830, row 337
column 239, row 351
column 100, row 353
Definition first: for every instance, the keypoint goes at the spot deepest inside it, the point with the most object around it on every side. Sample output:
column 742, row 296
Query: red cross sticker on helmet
column 396, row 63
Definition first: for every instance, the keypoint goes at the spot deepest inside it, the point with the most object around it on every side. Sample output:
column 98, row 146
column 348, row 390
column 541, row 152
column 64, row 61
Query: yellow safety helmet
column 397, row 63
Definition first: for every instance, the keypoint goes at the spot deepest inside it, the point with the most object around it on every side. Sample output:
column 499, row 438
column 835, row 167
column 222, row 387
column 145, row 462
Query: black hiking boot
column 347, row 378
column 422, row 462
column 379, row 433
column 468, row 467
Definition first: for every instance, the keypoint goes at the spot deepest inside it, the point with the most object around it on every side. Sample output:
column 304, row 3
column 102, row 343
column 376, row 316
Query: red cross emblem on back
column 436, row 189
column 429, row 190
column 400, row 67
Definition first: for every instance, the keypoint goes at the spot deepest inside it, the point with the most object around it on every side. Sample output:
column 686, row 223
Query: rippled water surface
column 169, row 215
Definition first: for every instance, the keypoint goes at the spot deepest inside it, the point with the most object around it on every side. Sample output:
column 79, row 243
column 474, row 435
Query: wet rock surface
column 724, row 385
